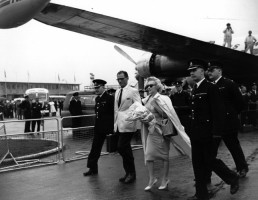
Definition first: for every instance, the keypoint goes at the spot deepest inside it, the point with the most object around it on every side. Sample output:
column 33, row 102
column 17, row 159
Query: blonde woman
column 155, row 145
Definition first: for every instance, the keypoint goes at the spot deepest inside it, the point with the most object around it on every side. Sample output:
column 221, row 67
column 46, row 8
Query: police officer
column 104, row 124
column 207, row 122
column 233, row 102
column 181, row 102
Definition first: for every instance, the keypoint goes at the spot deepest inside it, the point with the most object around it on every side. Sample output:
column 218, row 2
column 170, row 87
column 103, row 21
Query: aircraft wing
column 147, row 38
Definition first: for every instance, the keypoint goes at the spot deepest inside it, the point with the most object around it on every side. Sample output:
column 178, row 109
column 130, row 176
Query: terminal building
column 12, row 90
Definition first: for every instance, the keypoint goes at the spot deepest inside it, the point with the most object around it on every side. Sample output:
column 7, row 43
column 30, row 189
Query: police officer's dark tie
column 194, row 88
column 120, row 97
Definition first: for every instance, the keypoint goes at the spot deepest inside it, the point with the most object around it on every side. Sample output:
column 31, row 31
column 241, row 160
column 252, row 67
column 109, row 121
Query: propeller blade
column 119, row 50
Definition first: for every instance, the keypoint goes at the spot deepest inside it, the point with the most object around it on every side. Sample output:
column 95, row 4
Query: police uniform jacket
column 253, row 98
column 104, row 109
column 36, row 108
column 233, row 102
column 75, row 107
column 207, row 112
column 181, row 102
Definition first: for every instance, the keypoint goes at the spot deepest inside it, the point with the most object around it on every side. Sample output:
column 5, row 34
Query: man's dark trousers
column 125, row 150
column 97, row 144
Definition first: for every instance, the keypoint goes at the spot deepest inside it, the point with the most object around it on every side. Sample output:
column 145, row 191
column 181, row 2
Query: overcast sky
column 45, row 52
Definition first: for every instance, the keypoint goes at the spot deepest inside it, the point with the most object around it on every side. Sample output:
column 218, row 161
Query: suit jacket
column 36, row 110
column 233, row 102
column 26, row 106
column 104, row 109
column 75, row 107
column 129, row 96
column 208, row 112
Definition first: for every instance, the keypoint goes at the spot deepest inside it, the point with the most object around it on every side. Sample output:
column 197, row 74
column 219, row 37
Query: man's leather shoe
column 90, row 172
column 130, row 178
column 234, row 186
column 123, row 178
column 242, row 173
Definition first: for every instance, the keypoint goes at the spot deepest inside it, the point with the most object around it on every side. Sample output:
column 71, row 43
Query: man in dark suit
column 36, row 108
column 206, row 123
column 75, row 109
column 26, row 107
column 234, row 104
column 104, row 124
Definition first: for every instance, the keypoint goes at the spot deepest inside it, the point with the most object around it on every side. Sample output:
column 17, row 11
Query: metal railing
column 77, row 138
column 29, row 149
column 58, row 141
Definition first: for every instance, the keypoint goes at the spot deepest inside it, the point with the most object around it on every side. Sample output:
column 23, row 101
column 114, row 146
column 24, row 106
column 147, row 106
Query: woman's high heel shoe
column 164, row 187
column 151, row 185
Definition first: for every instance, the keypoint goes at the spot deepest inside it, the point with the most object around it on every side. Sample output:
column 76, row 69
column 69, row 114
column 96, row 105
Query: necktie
column 120, row 97
column 194, row 88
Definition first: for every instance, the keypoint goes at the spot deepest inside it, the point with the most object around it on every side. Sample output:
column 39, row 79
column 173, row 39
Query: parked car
column 87, row 99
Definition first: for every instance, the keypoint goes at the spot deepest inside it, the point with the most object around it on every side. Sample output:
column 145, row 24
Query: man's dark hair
column 123, row 72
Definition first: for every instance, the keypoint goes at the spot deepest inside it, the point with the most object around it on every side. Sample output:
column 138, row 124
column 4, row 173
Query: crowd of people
column 250, row 40
column 202, row 116
column 29, row 109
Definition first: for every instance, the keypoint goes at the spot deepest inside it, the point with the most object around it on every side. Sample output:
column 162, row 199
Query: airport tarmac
column 65, row 180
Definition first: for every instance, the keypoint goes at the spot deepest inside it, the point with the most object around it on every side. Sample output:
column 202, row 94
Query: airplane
column 170, row 52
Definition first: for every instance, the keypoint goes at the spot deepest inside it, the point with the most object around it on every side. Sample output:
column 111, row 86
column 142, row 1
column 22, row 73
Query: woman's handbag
column 168, row 129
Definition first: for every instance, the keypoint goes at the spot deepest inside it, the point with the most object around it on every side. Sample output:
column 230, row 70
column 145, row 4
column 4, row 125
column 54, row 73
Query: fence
column 23, row 150
column 60, row 140
column 77, row 140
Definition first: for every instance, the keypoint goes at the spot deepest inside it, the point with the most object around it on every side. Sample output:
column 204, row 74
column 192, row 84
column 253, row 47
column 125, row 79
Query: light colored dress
column 157, row 147
column 154, row 145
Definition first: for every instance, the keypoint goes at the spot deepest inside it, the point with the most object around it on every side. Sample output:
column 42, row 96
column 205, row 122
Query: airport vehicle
column 56, row 98
column 170, row 52
column 87, row 99
column 41, row 93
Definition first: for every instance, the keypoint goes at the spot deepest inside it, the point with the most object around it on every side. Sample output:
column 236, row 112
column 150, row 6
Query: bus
column 56, row 98
column 41, row 93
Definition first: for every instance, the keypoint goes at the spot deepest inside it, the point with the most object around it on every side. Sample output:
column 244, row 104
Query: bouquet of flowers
column 138, row 112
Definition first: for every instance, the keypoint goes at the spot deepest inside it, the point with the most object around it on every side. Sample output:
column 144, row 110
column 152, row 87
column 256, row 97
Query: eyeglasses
column 120, row 79
column 149, row 86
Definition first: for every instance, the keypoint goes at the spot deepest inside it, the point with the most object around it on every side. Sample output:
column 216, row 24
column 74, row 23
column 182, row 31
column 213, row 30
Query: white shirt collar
column 199, row 83
column 102, row 93
column 217, row 79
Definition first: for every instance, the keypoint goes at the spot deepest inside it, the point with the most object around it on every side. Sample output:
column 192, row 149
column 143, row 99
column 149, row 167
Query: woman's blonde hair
column 157, row 82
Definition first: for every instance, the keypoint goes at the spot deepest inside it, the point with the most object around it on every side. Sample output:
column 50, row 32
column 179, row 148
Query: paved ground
column 65, row 181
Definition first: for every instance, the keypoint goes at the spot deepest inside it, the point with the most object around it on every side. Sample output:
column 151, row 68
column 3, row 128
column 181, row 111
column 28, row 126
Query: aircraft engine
column 161, row 66
column 14, row 13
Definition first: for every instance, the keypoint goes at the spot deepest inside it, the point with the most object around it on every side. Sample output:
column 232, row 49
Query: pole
column 5, row 89
column 28, row 79
column 5, row 84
